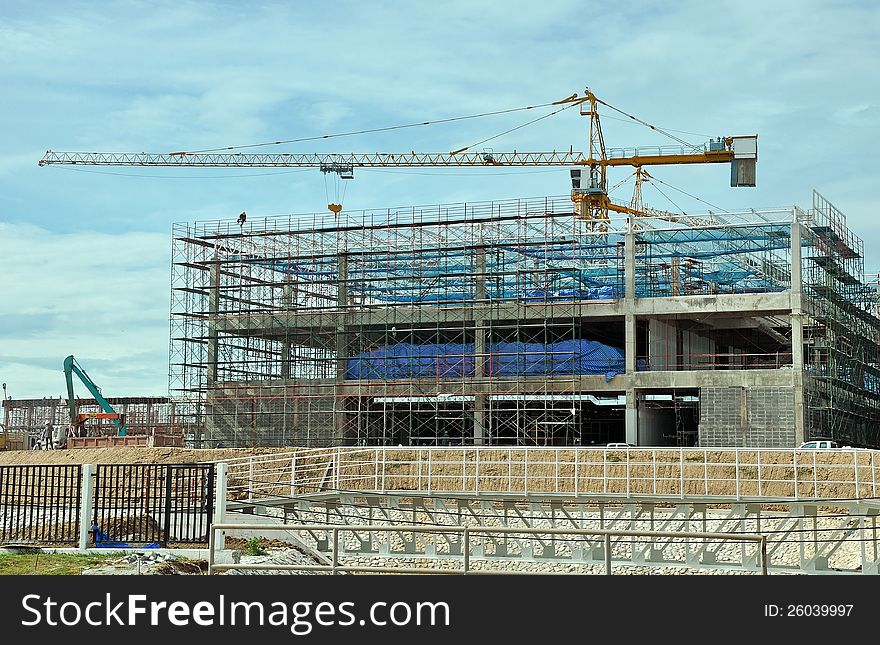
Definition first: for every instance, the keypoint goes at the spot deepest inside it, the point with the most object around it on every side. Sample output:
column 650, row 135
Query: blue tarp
column 589, row 293
column 456, row 360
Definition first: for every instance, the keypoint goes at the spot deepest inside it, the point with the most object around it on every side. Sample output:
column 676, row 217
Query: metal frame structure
column 465, row 324
column 154, row 415
column 801, row 537
column 467, row 548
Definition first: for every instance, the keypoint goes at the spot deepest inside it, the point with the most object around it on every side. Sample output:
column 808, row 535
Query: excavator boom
column 71, row 367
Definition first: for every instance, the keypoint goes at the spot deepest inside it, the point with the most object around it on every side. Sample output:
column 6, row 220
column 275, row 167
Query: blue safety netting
column 456, row 360
column 565, row 268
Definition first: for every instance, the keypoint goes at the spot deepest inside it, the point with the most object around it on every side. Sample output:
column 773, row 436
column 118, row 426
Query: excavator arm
column 71, row 367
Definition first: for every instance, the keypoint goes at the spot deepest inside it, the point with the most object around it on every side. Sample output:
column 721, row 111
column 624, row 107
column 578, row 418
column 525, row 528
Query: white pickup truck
column 821, row 445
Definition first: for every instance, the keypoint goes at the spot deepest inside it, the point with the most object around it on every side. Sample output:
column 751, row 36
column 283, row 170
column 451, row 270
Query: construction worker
column 48, row 436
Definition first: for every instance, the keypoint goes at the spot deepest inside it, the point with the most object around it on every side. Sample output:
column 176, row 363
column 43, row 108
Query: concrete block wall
column 757, row 417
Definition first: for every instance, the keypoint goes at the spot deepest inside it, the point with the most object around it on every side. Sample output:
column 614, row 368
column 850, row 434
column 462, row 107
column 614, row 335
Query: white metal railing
column 465, row 532
column 729, row 473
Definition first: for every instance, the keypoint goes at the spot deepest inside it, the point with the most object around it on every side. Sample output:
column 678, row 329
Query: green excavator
column 77, row 421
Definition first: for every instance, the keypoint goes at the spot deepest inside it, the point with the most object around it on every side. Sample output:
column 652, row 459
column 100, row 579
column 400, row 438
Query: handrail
column 722, row 473
column 465, row 531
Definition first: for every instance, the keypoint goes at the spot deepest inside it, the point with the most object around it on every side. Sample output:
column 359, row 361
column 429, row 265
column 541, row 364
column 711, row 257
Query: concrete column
column 629, row 252
column 630, row 343
column 339, row 413
column 213, row 312
column 211, row 431
column 287, row 306
column 676, row 276
column 629, row 262
column 480, row 348
column 479, row 419
column 797, row 333
column 632, row 417
column 86, row 498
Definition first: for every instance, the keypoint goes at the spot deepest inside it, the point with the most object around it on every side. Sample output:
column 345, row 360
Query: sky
column 85, row 253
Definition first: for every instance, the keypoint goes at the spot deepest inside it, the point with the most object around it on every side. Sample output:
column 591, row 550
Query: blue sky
column 85, row 256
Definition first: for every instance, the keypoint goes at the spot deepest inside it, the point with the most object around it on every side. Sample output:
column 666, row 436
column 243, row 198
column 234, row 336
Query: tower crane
column 589, row 187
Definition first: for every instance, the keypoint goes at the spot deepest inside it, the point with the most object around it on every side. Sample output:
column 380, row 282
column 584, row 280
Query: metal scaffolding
column 509, row 322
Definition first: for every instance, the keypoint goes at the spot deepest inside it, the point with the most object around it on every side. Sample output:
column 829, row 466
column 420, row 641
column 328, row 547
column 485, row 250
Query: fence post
column 221, row 476
column 86, row 499
column 293, row 476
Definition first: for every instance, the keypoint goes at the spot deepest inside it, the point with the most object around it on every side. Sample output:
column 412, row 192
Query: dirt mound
column 182, row 567
column 127, row 455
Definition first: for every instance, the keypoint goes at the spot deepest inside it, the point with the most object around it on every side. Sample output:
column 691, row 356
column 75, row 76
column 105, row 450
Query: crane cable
column 648, row 125
column 519, row 127
column 372, row 130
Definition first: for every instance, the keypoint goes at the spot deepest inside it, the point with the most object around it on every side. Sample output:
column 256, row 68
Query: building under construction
column 154, row 416
column 518, row 322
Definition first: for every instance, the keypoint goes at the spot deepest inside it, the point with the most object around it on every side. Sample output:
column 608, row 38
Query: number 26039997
column 807, row 610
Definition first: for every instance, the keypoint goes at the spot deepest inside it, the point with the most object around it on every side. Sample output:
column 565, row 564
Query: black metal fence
column 133, row 504
column 40, row 504
column 153, row 504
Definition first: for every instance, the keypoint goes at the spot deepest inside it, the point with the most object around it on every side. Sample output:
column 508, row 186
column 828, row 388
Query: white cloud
column 157, row 76
column 101, row 297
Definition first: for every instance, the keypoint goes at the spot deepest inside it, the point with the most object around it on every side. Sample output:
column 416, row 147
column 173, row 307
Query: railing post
column 556, row 455
column 627, row 472
column 335, row 561
column 608, row 554
column 794, row 461
column 384, row 467
column 466, row 549
column 221, row 477
column 654, row 472
column 210, row 550
column 251, row 478
column 605, row 470
column 760, row 486
column 706, row 471
column 86, row 498
column 376, row 461
column 525, row 470
column 873, row 477
column 293, row 476
column 763, row 555
column 736, row 470
column 815, row 478
column 855, row 455
column 430, row 466
column 477, row 471
column 681, row 471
